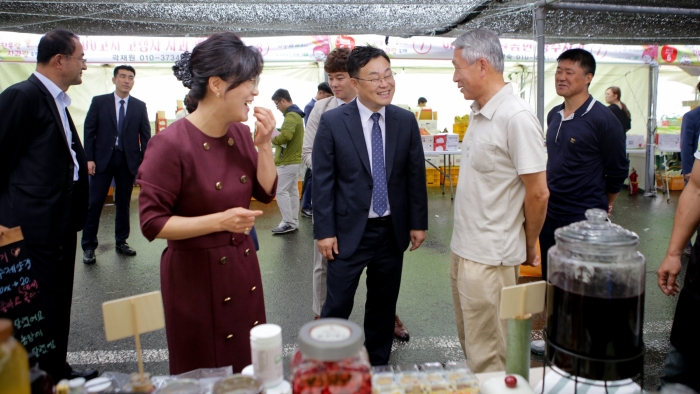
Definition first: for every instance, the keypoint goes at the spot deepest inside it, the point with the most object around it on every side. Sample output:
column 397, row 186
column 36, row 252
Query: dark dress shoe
column 317, row 317
column 126, row 250
column 89, row 257
column 88, row 373
column 400, row 331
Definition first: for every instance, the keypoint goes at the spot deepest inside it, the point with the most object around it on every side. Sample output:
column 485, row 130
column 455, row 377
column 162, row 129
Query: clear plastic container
column 14, row 364
column 331, row 358
column 239, row 384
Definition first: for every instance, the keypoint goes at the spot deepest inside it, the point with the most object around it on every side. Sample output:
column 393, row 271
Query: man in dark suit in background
column 43, row 183
column 116, row 135
column 374, row 194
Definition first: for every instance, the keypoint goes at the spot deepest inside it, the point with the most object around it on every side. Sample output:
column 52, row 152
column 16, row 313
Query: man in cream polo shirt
column 501, row 199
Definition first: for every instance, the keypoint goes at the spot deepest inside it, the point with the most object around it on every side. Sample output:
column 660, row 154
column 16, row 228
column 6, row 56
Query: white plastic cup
column 266, row 352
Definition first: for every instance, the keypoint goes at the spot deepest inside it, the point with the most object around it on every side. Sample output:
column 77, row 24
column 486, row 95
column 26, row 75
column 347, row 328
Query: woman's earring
column 218, row 95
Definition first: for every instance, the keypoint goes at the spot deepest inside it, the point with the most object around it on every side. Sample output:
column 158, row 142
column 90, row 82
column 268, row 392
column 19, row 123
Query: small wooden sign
column 521, row 301
column 144, row 311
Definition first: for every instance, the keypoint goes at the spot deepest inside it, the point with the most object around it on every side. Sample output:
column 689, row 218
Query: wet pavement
column 425, row 302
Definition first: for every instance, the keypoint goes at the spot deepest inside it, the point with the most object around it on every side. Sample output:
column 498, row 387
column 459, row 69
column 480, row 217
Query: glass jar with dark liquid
column 595, row 300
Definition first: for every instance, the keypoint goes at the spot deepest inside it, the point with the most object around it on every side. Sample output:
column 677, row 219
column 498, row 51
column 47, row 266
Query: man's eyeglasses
column 256, row 81
column 376, row 81
column 82, row 59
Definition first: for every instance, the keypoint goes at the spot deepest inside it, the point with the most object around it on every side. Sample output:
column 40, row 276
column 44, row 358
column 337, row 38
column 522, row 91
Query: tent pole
column 625, row 8
column 540, row 16
column 650, row 180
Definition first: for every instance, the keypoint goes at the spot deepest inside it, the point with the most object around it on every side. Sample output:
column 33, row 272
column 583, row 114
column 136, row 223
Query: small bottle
column 266, row 352
column 14, row 364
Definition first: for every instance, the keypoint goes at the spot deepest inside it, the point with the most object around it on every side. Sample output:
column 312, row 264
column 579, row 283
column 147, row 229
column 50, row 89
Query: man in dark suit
column 117, row 131
column 375, row 198
column 43, row 183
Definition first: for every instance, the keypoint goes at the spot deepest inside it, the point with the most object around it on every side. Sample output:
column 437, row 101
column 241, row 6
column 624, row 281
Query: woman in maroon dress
column 197, row 179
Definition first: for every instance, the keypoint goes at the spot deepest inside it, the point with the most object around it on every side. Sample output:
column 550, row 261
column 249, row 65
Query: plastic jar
column 266, row 352
column 14, row 364
column 331, row 358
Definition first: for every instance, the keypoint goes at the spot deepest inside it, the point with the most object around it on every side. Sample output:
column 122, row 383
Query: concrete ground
column 425, row 303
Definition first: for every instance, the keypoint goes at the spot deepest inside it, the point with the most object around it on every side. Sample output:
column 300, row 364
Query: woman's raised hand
column 238, row 220
column 264, row 125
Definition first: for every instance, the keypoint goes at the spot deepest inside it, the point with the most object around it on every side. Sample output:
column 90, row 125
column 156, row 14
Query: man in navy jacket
column 587, row 163
column 368, row 171
column 117, row 131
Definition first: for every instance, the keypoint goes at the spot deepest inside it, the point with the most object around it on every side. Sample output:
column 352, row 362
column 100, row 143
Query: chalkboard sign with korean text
column 19, row 294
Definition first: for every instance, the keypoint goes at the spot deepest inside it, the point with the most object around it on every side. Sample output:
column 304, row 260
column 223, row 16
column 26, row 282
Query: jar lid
column 330, row 339
column 266, row 335
column 597, row 230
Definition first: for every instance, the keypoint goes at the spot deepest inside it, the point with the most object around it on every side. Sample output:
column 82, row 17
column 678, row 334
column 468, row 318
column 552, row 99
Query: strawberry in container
column 331, row 359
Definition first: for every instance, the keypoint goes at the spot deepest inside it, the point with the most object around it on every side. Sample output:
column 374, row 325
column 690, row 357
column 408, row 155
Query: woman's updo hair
column 221, row 55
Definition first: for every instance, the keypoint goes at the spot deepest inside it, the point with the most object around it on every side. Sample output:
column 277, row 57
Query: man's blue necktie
column 379, row 191
column 120, row 125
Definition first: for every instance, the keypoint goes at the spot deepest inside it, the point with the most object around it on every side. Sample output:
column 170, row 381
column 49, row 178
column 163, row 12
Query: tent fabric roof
column 251, row 18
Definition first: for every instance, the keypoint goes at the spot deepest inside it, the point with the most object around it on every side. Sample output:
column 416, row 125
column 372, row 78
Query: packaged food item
column 239, row 384
column 331, row 358
column 438, row 387
column 387, row 389
column 180, row 386
column 382, row 375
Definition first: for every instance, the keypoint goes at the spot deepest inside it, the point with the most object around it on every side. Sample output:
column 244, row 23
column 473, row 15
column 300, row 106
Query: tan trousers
column 476, row 293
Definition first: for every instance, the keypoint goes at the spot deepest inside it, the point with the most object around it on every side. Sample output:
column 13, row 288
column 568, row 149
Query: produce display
column 429, row 378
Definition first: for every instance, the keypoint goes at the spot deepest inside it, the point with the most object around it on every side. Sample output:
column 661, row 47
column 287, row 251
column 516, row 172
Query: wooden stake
column 137, row 338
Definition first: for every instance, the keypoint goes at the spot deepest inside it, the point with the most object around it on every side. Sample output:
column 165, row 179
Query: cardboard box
column 452, row 143
column 635, row 141
column 430, row 125
column 427, row 142
column 434, row 160
column 668, row 142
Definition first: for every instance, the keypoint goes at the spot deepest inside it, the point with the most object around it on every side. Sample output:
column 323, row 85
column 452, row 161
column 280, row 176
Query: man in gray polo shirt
column 501, row 199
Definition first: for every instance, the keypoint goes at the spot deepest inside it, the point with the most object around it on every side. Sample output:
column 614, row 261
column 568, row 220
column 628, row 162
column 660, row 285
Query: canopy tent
column 397, row 18
column 423, row 65
column 657, row 21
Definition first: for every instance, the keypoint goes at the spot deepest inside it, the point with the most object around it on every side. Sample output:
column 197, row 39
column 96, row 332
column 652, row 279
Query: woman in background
column 612, row 97
column 197, row 180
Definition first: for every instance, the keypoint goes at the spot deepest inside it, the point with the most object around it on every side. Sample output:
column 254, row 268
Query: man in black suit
column 43, row 183
column 117, row 131
column 374, row 194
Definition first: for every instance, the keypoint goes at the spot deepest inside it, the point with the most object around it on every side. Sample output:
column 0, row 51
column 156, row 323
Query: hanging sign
column 22, row 47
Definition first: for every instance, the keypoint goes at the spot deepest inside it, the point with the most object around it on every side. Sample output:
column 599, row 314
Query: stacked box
column 452, row 142
column 427, row 142
column 635, row 141
column 435, row 160
column 454, row 175
column 440, row 142
column 432, row 177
